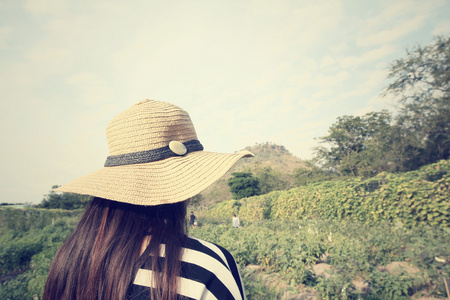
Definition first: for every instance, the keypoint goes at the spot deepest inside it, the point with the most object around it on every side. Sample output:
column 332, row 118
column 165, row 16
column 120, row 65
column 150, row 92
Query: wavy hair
column 100, row 258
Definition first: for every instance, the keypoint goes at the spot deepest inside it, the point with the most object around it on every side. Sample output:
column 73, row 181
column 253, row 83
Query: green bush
column 416, row 199
column 21, row 220
column 243, row 184
column 30, row 253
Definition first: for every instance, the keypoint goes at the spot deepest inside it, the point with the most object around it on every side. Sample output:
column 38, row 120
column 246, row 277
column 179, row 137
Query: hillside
column 275, row 157
column 415, row 198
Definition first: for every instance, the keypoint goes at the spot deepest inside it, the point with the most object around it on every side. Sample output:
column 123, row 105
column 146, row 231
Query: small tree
column 243, row 185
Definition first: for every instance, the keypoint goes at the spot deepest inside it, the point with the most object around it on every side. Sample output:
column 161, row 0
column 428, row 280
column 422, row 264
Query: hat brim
column 170, row 180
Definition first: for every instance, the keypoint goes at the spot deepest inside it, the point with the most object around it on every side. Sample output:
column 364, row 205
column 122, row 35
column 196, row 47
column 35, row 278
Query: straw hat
column 154, row 158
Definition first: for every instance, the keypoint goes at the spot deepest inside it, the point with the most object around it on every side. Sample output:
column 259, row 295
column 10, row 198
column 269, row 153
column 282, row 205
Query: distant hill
column 270, row 155
column 267, row 155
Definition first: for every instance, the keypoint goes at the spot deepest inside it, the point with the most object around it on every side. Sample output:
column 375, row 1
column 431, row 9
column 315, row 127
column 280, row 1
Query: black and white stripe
column 208, row 272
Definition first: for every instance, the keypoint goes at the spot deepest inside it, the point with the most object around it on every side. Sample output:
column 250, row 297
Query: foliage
column 354, row 250
column 287, row 248
column 422, row 82
column 196, row 200
column 15, row 289
column 311, row 173
column 336, row 287
column 415, row 198
column 388, row 286
column 243, row 184
column 25, row 256
column 16, row 255
column 66, row 201
column 353, row 144
column 22, row 220
column 255, row 288
column 225, row 209
column 270, row 180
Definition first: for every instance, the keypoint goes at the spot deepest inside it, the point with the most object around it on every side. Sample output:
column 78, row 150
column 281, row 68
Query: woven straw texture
column 146, row 126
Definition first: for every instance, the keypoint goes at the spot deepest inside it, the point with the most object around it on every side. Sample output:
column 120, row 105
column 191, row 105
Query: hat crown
column 148, row 125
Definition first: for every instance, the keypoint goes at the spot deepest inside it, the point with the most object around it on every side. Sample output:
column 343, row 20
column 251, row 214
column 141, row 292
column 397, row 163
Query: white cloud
column 278, row 71
column 401, row 11
column 304, row 73
column 374, row 79
column 328, row 63
column 367, row 57
column 93, row 89
column 39, row 7
column 388, row 101
column 442, row 28
column 5, row 33
column 389, row 35
column 331, row 81
column 299, row 138
column 362, row 111
column 48, row 55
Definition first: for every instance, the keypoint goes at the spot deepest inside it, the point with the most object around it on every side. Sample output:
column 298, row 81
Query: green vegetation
column 286, row 236
column 311, row 173
column 270, row 180
column 28, row 241
column 275, row 256
column 243, row 184
column 27, row 219
column 354, row 151
column 64, row 200
column 361, row 258
column 415, row 198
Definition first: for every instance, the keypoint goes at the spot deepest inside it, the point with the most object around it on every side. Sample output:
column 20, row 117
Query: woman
column 131, row 242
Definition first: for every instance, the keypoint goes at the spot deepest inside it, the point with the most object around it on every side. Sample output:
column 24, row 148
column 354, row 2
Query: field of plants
column 324, row 259
column 380, row 238
column 29, row 239
column 330, row 259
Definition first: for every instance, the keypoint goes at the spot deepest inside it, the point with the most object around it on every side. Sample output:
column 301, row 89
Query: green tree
column 311, row 173
column 67, row 201
column 243, row 184
column 354, row 144
column 421, row 81
column 270, row 180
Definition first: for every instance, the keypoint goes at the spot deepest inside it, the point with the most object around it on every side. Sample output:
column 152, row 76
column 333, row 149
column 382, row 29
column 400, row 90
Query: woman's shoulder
column 221, row 273
column 206, row 269
column 217, row 252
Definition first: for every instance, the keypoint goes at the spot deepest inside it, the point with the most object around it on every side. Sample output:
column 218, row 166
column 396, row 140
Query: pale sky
column 246, row 71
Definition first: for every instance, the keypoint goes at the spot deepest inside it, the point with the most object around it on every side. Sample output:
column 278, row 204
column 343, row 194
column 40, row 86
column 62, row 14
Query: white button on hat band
column 177, row 147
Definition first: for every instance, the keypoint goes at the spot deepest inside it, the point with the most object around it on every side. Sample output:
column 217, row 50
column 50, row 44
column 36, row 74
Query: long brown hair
column 98, row 260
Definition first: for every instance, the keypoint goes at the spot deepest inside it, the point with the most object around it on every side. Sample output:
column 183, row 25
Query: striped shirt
column 208, row 272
